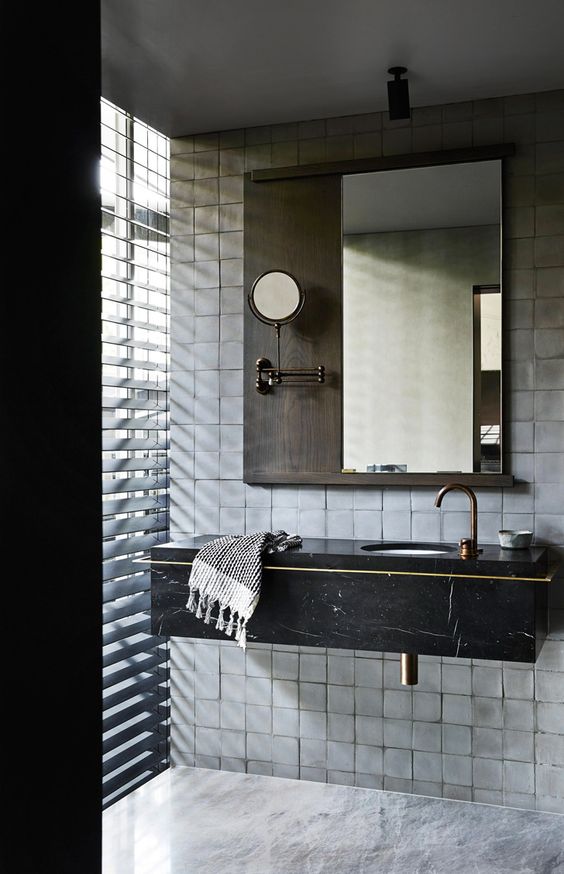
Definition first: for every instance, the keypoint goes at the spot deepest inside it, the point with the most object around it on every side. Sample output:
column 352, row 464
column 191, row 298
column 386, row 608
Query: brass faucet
column 468, row 546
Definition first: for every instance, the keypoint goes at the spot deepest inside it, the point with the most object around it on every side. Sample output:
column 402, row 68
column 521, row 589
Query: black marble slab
column 331, row 593
column 350, row 555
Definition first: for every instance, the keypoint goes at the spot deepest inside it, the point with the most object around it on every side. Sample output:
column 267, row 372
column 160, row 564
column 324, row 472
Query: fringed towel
column 227, row 574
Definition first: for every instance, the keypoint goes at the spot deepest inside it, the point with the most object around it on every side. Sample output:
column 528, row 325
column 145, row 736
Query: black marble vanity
column 335, row 593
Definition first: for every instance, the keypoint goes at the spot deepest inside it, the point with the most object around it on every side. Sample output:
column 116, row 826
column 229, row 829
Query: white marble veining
column 195, row 821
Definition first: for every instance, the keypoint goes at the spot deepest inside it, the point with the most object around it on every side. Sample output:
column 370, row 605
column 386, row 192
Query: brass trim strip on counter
column 318, row 570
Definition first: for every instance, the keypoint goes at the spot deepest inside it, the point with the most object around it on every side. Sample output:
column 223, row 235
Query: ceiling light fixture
column 398, row 94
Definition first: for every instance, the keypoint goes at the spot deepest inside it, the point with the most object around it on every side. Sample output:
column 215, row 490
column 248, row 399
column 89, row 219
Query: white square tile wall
column 490, row 732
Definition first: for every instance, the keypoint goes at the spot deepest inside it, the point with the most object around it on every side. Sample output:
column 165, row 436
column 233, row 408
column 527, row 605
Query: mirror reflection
column 422, row 319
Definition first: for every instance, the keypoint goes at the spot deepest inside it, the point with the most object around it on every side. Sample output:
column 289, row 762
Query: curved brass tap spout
column 468, row 547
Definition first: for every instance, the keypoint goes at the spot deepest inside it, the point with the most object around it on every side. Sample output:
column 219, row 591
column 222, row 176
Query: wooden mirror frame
column 293, row 219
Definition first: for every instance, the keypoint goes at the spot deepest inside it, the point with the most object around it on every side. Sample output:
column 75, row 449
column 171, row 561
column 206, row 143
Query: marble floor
column 195, row 821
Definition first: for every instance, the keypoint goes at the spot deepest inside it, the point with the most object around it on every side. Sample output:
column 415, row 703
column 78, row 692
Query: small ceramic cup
column 515, row 539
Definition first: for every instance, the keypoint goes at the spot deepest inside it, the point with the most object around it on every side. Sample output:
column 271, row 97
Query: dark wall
column 52, row 428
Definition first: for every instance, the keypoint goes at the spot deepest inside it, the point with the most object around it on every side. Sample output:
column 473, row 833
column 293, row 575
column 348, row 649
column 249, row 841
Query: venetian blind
column 135, row 451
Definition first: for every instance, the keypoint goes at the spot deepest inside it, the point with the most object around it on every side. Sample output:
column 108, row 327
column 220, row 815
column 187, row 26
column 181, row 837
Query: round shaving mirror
column 276, row 297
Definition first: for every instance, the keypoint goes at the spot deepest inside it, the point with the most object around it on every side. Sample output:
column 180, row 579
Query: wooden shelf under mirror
column 415, row 397
column 477, row 480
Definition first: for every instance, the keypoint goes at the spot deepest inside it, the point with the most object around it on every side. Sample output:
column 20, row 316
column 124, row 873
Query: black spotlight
column 398, row 94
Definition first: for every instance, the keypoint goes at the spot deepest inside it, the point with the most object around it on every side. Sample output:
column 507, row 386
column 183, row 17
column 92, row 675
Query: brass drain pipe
column 409, row 662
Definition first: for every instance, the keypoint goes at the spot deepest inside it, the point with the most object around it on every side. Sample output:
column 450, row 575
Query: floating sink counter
column 338, row 593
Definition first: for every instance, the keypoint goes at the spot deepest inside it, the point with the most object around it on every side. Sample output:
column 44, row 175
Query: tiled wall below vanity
column 485, row 731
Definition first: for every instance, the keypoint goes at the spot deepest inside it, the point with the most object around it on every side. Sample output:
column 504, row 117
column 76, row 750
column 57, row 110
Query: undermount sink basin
column 410, row 548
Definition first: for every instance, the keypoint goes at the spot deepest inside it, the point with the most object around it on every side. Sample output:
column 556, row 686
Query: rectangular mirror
column 399, row 258
column 422, row 319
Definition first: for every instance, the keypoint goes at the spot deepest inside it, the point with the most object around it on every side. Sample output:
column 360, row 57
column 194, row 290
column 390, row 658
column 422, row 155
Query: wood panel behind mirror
column 295, row 429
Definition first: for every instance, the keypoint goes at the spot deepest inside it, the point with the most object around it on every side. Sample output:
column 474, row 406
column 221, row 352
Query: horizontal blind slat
column 135, row 484
column 137, row 166
column 115, row 697
column 130, row 585
column 159, row 384
column 154, row 423
column 119, row 403
column 128, row 322
column 133, row 287
column 132, row 605
column 116, row 631
column 125, row 649
column 131, row 505
column 130, row 546
column 156, row 443
column 136, row 302
column 127, row 343
column 116, row 465
column 118, row 229
column 149, row 764
column 134, row 670
column 148, row 701
column 149, row 747
column 129, row 733
column 126, row 787
column 134, row 363
column 149, row 523
column 149, row 287
column 117, row 265
column 138, row 234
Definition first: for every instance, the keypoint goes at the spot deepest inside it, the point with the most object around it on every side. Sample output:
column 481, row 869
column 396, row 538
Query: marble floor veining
column 195, row 821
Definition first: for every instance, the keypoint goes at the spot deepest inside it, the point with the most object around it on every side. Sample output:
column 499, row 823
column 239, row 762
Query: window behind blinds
column 135, row 337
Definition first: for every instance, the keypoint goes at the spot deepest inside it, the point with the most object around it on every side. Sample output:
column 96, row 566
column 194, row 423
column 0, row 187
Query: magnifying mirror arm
column 268, row 294
column 277, row 329
column 268, row 376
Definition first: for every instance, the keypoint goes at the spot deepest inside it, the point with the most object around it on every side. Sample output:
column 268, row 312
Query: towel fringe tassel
column 201, row 606
column 204, row 603
column 243, row 635
column 207, row 618
column 220, row 624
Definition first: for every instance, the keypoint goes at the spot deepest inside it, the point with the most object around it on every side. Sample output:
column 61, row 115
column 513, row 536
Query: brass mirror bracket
column 267, row 376
column 409, row 664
